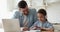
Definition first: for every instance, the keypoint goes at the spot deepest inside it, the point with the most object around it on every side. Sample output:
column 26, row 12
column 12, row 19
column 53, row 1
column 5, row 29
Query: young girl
column 42, row 23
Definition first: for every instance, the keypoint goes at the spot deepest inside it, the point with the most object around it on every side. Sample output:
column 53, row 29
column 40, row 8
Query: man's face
column 41, row 17
column 24, row 10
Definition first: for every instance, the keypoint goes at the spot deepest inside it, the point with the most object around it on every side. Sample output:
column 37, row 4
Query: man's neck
column 26, row 13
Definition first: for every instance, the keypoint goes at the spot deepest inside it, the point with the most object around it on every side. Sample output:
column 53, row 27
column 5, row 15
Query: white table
column 2, row 30
column 33, row 31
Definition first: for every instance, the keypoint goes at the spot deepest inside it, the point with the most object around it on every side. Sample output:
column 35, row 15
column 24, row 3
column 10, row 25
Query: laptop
column 11, row 25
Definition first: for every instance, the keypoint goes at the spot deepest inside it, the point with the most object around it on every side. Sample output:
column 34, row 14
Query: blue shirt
column 46, row 24
column 31, row 17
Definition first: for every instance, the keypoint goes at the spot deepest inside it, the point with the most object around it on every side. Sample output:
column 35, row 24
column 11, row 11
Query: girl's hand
column 36, row 28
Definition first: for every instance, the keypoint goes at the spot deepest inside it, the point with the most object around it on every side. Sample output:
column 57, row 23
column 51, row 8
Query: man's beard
column 26, row 13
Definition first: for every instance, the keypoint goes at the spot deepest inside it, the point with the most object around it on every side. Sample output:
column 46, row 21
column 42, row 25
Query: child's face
column 41, row 17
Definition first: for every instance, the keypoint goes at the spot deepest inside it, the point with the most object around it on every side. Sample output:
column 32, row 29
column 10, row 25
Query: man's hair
column 22, row 4
column 42, row 11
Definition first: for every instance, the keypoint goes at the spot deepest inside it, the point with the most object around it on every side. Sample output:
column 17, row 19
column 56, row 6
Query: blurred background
column 8, row 7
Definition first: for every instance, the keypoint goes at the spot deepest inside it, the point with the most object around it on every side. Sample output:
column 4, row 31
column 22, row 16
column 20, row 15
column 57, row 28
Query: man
column 26, row 16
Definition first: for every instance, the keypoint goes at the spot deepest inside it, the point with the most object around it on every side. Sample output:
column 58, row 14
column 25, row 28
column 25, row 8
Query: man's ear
column 45, row 17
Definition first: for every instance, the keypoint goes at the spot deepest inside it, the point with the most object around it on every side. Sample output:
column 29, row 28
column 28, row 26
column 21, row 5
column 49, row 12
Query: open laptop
column 11, row 25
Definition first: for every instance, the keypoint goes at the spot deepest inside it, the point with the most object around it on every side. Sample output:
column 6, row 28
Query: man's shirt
column 31, row 17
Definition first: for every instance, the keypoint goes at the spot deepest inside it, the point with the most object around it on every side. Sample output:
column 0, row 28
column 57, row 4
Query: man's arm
column 16, row 15
column 34, row 16
column 33, row 27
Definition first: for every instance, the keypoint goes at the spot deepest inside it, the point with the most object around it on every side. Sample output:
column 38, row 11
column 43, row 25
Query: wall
column 53, row 11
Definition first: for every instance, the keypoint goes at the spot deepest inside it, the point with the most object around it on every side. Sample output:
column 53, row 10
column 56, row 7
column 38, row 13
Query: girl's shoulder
column 49, row 24
column 37, row 22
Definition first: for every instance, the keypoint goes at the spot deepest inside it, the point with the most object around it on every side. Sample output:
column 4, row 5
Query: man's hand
column 25, row 29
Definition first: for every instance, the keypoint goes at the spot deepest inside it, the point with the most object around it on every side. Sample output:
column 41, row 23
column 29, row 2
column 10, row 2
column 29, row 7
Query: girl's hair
column 42, row 11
